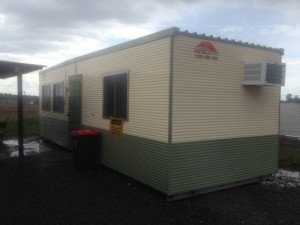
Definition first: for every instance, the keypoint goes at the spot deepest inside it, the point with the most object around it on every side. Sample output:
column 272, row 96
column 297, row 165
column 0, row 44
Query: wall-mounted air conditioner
column 263, row 73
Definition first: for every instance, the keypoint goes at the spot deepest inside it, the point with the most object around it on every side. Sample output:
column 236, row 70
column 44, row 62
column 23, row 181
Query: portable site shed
column 200, row 113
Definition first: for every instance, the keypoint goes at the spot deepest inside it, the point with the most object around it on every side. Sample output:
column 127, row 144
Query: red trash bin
column 86, row 147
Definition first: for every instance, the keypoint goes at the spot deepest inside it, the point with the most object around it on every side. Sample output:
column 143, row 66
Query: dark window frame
column 274, row 73
column 58, row 98
column 115, row 95
column 46, row 97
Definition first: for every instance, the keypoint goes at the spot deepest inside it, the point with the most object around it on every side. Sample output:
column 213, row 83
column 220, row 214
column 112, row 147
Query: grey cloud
column 36, row 25
column 74, row 13
column 71, row 13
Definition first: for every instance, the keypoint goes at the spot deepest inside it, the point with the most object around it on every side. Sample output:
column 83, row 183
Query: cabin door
column 75, row 92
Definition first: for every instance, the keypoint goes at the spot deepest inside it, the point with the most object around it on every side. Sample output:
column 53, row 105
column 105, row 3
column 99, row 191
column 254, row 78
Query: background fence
column 290, row 119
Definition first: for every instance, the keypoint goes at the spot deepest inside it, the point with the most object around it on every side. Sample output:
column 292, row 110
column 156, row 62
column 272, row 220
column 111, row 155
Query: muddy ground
column 50, row 191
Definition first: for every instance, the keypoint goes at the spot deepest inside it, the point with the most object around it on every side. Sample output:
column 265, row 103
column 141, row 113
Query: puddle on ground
column 31, row 147
column 283, row 179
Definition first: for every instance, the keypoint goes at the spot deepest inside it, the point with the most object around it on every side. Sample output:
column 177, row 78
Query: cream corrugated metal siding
column 53, row 77
column 222, row 131
column 54, row 126
column 142, row 152
column 148, row 67
column 209, row 101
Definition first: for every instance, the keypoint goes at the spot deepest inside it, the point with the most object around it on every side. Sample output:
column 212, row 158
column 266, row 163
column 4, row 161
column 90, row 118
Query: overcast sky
column 51, row 31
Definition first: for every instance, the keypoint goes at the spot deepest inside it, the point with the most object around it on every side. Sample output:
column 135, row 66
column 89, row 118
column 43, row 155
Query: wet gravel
column 53, row 192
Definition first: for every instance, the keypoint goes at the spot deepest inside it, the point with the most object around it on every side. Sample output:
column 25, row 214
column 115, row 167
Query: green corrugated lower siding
column 55, row 130
column 142, row 159
column 194, row 166
column 206, row 164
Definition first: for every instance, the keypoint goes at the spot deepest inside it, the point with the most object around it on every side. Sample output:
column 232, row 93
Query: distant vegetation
column 291, row 98
column 8, row 114
column 28, row 99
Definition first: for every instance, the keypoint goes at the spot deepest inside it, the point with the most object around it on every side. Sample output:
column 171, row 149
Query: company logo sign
column 206, row 50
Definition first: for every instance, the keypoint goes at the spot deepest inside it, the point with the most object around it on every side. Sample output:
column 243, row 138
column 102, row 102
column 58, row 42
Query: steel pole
column 20, row 119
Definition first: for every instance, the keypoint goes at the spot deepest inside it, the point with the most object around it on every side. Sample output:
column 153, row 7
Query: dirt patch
column 290, row 166
column 28, row 110
column 53, row 192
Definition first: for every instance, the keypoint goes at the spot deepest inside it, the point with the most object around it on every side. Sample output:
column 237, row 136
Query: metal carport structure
column 11, row 69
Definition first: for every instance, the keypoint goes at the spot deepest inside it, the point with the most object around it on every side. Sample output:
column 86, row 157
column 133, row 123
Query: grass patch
column 289, row 150
column 289, row 154
column 30, row 125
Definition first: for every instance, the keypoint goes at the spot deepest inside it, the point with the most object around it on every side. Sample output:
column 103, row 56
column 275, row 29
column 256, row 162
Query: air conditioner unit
column 263, row 73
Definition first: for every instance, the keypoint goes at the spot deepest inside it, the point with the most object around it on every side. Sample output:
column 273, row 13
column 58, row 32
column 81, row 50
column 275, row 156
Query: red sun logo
column 206, row 48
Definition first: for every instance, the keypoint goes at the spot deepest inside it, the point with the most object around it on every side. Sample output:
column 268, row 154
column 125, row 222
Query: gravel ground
column 53, row 192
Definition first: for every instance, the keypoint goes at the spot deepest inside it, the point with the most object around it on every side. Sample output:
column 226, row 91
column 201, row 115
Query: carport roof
column 11, row 69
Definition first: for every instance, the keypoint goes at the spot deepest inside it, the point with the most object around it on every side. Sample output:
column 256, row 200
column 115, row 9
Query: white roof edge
column 156, row 36
column 142, row 40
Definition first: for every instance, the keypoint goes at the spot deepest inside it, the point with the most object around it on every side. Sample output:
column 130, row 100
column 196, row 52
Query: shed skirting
column 194, row 166
column 55, row 130
column 143, row 159
column 207, row 164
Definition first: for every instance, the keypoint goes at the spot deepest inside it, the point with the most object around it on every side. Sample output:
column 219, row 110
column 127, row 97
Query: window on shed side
column 46, row 97
column 58, row 97
column 115, row 96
